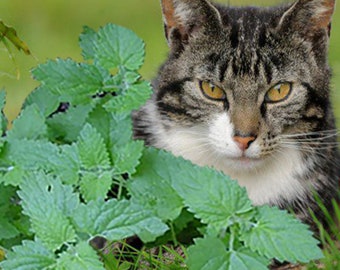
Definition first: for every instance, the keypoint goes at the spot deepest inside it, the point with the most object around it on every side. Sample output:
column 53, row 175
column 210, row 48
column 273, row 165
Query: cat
column 245, row 90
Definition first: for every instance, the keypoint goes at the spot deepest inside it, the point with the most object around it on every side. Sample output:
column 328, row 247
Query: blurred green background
column 51, row 29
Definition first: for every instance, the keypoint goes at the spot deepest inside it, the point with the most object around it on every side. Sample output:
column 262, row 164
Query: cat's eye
column 211, row 91
column 278, row 93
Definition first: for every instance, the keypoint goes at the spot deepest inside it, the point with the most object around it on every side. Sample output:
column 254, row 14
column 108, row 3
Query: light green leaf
column 95, row 185
column 29, row 125
column 82, row 256
column 120, row 129
column 88, row 41
column 49, row 205
column 31, row 154
column 100, row 119
column 66, row 126
column 280, row 235
column 44, row 99
column 207, row 254
column 211, row 253
column 131, row 99
column 92, row 149
column 68, row 167
column 126, row 158
column 29, row 255
column 13, row 176
column 245, row 259
column 73, row 82
column 151, row 185
column 124, row 78
column 210, row 195
column 117, row 220
column 115, row 46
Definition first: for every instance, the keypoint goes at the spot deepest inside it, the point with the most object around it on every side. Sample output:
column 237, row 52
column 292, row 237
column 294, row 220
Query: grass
column 330, row 240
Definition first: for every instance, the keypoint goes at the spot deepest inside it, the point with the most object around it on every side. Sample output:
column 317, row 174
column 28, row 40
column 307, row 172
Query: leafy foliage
column 64, row 168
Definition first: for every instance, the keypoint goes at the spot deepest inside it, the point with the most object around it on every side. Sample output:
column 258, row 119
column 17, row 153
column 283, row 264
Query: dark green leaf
column 3, row 120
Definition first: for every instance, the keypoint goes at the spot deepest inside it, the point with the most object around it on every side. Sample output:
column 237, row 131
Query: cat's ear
column 184, row 19
column 309, row 16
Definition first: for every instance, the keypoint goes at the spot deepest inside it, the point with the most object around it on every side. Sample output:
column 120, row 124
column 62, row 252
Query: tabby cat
column 245, row 90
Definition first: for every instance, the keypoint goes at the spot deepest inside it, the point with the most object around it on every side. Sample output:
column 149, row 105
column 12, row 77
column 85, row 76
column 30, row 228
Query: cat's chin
column 242, row 164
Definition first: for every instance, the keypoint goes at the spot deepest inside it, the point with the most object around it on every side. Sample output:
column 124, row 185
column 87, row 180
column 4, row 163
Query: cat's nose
column 244, row 142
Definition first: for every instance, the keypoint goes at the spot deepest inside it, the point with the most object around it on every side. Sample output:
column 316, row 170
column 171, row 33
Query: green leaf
column 280, row 235
column 100, row 119
column 82, row 256
column 131, row 99
column 13, row 176
column 95, row 185
column 210, row 195
column 151, row 185
column 49, row 204
column 115, row 46
column 88, row 41
column 207, row 254
column 3, row 120
column 117, row 220
column 75, row 83
column 126, row 158
column 211, row 253
column 29, row 125
column 66, row 126
column 30, row 255
column 68, row 169
column 246, row 259
column 120, row 129
column 92, row 149
column 9, row 212
column 44, row 99
column 8, row 230
column 31, row 154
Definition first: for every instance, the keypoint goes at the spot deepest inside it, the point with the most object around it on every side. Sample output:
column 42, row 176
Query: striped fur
column 245, row 51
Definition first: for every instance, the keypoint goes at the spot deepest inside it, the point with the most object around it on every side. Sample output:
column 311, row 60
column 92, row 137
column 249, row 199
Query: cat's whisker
column 311, row 133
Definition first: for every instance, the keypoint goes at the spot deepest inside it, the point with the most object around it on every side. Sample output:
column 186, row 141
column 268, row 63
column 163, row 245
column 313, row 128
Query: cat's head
column 244, row 85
